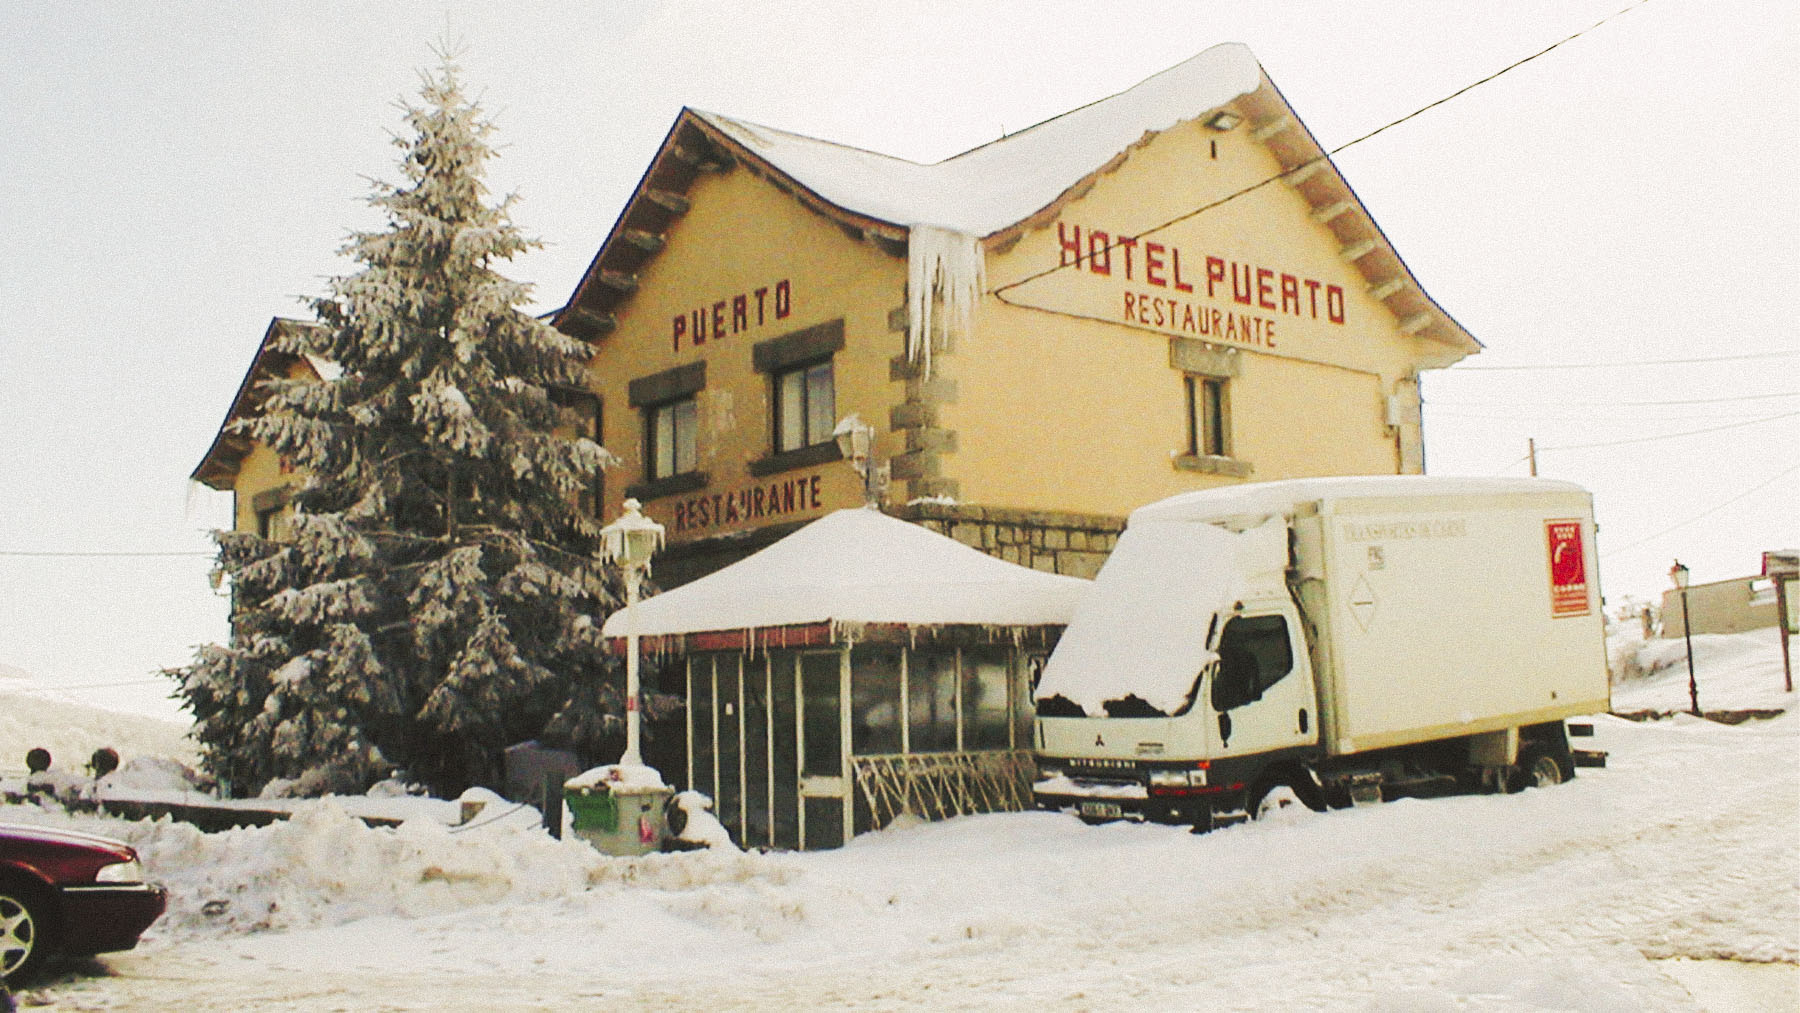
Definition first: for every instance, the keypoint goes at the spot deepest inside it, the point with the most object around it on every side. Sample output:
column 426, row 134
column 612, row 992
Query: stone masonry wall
column 1071, row 544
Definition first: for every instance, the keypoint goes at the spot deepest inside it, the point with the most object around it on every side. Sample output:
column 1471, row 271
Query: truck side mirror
column 1224, row 729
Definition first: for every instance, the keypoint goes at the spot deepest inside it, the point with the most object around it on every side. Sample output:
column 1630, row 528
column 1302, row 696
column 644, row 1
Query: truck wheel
column 1538, row 768
column 1283, row 800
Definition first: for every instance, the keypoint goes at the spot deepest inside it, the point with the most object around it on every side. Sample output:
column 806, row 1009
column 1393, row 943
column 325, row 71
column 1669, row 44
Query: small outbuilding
column 857, row 670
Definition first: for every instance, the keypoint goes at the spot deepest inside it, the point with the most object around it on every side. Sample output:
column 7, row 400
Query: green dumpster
column 619, row 810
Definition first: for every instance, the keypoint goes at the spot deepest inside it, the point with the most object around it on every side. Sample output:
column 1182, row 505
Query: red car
column 63, row 892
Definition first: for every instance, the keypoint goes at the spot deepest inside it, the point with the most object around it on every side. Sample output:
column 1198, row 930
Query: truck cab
column 1247, row 724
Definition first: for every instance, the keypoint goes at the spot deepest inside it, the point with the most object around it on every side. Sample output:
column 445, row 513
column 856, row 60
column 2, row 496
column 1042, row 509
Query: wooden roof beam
column 1269, row 128
column 1331, row 212
column 619, row 281
column 592, row 322
column 1382, row 290
column 649, row 242
column 703, row 160
column 668, row 200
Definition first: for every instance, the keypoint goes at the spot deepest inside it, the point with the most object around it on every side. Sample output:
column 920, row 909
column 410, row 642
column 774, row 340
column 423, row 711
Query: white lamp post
column 855, row 439
column 630, row 541
column 1679, row 574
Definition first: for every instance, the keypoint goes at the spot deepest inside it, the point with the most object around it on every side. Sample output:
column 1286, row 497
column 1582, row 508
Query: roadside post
column 1784, row 569
column 1679, row 574
column 621, row 808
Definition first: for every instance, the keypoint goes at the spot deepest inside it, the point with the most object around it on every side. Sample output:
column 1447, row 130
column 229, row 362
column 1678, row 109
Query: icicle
column 943, row 266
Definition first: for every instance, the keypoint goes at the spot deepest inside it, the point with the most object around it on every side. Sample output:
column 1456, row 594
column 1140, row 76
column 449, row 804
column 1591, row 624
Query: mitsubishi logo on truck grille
column 1100, row 764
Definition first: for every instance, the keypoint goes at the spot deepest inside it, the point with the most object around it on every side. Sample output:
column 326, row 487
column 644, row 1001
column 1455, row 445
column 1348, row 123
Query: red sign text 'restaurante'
column 1162, row 266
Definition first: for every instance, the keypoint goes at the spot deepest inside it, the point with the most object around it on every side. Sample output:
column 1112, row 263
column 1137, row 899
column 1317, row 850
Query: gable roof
column 218, row 467
column 999, row 190
column 859, row 566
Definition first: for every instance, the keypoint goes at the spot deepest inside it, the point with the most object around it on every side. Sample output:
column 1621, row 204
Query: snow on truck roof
column 859, row 566
column 1264, row 499
column 987, row 189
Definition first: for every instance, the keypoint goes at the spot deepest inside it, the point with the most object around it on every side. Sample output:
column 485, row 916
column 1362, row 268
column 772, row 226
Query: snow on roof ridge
column 1005, row 181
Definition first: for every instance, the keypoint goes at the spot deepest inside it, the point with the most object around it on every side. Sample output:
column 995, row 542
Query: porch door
column 765, row 741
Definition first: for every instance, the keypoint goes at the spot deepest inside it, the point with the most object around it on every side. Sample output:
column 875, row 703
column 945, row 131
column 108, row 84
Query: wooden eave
column 1309, row 171
column 692, row 148
column 218, row 468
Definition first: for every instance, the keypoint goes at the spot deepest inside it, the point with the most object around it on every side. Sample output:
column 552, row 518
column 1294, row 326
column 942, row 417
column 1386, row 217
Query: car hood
column 56, row 835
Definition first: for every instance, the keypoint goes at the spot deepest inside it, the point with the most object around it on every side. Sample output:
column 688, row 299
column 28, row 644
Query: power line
column 57, row 687
column 1608, row 404
column 102, row 555
column 1703, row 514
column 1326, row 157
column 1671, row 436
column 1617, row 365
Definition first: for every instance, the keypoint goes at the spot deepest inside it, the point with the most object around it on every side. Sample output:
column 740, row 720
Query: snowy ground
column 1668, row 881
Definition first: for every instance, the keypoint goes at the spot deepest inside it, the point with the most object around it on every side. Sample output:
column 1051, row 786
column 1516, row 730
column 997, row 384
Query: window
column 1254, row 654
column 802, row 396
column 805, row 407
column 670, row 446
column 1208, row 435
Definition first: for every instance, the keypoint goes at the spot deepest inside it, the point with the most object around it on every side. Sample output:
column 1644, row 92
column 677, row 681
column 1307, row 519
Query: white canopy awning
column 859, row 566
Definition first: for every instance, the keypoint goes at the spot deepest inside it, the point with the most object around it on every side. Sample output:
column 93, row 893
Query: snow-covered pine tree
column 437, row 599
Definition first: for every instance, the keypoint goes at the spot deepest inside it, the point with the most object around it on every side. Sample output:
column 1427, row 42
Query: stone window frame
column 781, row 356
column 651, row 395
column 1202, row 366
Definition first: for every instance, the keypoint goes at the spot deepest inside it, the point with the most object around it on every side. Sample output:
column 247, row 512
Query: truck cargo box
column 1440, row 606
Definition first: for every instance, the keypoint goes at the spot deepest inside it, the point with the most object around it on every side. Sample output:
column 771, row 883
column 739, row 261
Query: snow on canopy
column 859, row 566
column 986, row 189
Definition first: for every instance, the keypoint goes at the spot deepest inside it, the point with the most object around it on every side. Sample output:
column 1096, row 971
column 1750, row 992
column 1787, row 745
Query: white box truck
column 1327, row 642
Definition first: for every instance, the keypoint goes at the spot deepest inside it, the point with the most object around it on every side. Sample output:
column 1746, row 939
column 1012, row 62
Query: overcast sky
column 173, row 175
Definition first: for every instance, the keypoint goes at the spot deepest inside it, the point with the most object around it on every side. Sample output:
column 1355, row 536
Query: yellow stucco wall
column 1062, row 395
column 742, row 235
column 1064, row 402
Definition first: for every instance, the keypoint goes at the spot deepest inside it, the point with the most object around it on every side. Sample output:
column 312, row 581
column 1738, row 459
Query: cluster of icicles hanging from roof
column 945, row 276
column 848, row 632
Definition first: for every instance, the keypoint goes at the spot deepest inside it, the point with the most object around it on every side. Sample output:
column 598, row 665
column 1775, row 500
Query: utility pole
column 1531, row 454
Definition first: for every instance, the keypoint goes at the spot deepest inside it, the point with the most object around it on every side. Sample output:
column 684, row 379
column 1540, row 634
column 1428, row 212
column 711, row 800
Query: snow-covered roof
column 1263, row 499
column 995, row 192
column 986, row 189
column 218, row 466
column 859, row 566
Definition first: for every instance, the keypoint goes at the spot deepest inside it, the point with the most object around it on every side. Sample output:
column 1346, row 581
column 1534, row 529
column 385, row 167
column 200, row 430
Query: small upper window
column 805, row 406
column 671, row 447
column 1207, row 408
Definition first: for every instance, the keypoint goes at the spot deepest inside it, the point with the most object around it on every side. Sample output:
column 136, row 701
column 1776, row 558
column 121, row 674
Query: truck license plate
column 1102, row 810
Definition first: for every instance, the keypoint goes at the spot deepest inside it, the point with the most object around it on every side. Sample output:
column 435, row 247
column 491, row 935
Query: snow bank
column 1735, row 671
column 32, row 714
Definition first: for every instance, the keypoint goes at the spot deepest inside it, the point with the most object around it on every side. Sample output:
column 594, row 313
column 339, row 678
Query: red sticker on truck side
column 1568, row 569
